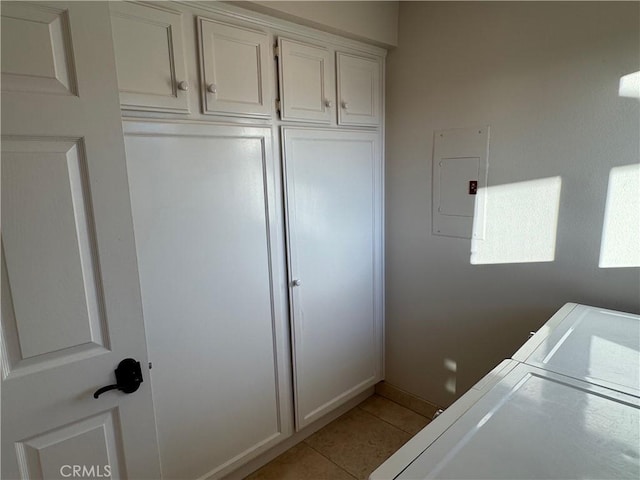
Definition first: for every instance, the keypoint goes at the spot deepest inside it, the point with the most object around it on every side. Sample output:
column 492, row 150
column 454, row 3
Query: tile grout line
column 389, row 423
column 371, row 415
column 399, row 404
column 324, row 456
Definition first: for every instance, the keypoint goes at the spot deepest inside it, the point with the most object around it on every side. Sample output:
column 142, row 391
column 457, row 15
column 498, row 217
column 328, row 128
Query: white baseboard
column 406, row 399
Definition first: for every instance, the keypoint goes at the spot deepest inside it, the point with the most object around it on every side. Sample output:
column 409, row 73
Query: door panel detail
column 54, row 286
column 41, row 58
column 90, row 446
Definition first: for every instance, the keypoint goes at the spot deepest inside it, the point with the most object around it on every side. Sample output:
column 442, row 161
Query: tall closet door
column 209, row 241
column 334, row 212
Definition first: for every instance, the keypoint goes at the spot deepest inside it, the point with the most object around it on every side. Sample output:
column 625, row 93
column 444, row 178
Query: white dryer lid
column 538, row 424
column 597, row 345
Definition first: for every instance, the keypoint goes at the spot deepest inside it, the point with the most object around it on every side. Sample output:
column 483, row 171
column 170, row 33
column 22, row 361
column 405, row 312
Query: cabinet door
column 359, row 90
column 208, row 236
column 234, row 67
column 149, row 58
column 307, row 85
column 334, row 211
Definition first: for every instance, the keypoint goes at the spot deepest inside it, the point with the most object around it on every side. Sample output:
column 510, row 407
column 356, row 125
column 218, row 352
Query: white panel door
column 359, row 90
column 148, row 43
column 71, row 308
column 307, row 82
column 235, row 70
column 211, row 258
column 334, row 214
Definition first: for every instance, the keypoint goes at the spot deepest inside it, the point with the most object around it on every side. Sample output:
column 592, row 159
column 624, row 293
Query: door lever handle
column 128, row 378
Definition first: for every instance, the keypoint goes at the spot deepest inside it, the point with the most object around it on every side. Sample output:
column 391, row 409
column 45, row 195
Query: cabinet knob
column 296, row 283
column 345, row 105
column 211, row 88
column 328, row 103
column 183, row 86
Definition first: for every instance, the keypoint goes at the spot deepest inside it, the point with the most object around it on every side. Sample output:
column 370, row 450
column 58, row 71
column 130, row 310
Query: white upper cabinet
column 148, row 43
column 359, row 92
column 307, row 85
column 234, row 70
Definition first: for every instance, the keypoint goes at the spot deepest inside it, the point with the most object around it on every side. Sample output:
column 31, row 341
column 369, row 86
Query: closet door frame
column 288, row 133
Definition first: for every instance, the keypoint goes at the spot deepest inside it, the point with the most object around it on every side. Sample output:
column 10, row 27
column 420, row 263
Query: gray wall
column 545, row 77
column 371, row 21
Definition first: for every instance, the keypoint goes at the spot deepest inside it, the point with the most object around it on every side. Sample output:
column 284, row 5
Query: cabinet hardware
column 183, row 86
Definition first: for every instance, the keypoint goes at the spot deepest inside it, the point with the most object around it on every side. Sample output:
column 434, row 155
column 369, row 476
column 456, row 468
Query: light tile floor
column 350, row 447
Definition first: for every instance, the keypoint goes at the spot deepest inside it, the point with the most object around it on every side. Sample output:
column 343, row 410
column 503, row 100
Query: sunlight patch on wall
column 630, row 85
column 517, row 222
column 620, row 245
column 452, row 367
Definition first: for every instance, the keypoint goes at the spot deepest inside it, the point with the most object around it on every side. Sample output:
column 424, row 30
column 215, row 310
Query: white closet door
column 208, row 236
column 334, row 195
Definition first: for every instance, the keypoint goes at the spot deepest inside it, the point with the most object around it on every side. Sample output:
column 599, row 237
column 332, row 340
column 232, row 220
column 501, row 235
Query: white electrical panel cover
column 459, row 170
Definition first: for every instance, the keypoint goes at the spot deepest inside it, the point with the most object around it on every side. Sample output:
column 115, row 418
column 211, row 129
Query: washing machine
column 566, row 405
